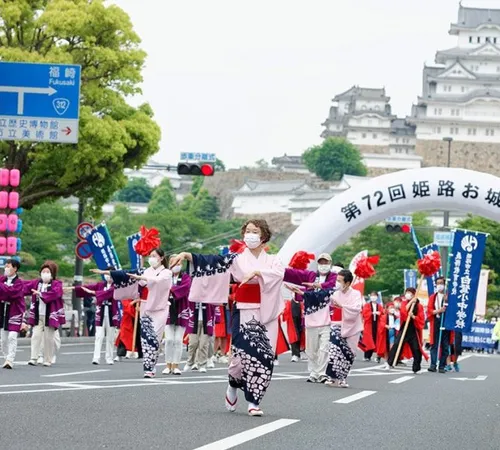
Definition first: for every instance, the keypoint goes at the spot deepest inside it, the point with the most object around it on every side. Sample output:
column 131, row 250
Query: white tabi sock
column 232, row 394
column 253, row 406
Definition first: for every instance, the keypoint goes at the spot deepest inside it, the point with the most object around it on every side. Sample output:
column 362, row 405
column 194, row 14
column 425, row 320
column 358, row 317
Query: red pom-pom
column 364, row 268
column 236, row 246
column 301, row 260
column 429, row 264
column 150, row 239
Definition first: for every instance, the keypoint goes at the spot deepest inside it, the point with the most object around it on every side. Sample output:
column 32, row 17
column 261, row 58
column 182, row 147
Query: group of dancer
column 45, row 315
column 189, row 294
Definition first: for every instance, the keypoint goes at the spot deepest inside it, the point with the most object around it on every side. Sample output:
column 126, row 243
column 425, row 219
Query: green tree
column 492, row 253
column 112, row 134
column 197, row 185
column 49, row 232
column 333, row 159
column 219, row 166
column 137, row 190
column 163, row 199
column 396, row 251
column 205, row 207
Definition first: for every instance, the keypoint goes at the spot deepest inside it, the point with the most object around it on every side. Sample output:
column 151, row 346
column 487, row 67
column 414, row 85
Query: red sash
column 248, row 293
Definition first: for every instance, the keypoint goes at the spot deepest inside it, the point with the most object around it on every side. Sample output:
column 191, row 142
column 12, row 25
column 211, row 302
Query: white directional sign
column 399, row 219
column 443, row 238
column 39, row 102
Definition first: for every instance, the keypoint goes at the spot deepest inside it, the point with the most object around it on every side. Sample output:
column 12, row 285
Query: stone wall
column 480, row 156
column 223, row 184
column 377, row 171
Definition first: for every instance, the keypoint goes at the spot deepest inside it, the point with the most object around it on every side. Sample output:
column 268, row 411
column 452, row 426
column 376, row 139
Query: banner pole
column 407, row 323
column 445, row 302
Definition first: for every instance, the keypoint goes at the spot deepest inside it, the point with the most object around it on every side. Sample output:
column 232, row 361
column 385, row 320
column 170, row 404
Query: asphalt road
column 75, row 405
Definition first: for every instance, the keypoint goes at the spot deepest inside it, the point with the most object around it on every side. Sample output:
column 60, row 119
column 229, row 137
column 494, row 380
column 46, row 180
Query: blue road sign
column 39, row 102
column 83, row 250
column 399, row 219
column 206, row 157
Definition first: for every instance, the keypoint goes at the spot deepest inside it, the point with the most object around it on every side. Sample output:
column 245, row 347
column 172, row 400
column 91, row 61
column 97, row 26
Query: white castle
column 461, row 91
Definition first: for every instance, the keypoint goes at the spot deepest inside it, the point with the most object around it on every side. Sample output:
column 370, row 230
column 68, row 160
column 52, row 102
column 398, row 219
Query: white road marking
column 74, row 373
column 478, row 378
column 355, row 397
column 90, row 384
column 401, row 380
column 78, row 353
column 74, row 385
column 248, row 435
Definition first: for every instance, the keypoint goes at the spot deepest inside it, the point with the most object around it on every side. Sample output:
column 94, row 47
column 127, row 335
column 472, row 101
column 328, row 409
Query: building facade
column 363, row 116
column 267, row 197
column 461, row 95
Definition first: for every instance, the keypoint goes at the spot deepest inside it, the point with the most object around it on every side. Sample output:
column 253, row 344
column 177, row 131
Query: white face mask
column 440, row 287
column 176, row 269
column 252, row 240
column 8, row 272
column 324, row 268
column 373, row 298
column 107, row 278
column 153, row 262
column 408, row 296
column 339, row 286
column 46, row 277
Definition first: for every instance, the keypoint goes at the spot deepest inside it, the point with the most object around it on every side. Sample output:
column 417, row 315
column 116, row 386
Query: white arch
column 328, row 227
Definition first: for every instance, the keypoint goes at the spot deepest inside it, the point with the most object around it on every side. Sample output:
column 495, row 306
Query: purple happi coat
column 12, row 305
column 208, row 318
column 53, row 298
column 104, row 299
column 180, row 308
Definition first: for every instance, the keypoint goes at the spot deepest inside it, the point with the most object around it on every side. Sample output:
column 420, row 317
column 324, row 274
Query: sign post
column 39, row 102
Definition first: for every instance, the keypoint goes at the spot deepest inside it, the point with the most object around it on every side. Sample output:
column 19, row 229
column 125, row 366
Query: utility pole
column 78, row 278
column 446, row 215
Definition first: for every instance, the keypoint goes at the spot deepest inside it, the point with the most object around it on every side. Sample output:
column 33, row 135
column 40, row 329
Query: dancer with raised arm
column 152, row 285
column 255, row 317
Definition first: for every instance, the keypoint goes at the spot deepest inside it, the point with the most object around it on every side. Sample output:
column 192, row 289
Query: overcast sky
column 251, row 80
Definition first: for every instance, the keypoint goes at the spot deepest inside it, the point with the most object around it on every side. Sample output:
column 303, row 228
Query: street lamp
column 446, row 215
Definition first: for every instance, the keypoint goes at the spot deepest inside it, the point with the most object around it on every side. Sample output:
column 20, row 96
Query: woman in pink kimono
column 344, row 335
column 255, row 318
column 152, row 286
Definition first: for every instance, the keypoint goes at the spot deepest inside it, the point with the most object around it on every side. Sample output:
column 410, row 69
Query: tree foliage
column 113, row 135
column 333, row 159
column 396, row 251
column 491, row 255
column 49, row 232
column 163, row 199
column 136, row 190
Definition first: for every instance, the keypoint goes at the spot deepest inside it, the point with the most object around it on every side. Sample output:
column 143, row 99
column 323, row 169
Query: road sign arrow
column 478, row 378
column 20, row 91
column 67, row 131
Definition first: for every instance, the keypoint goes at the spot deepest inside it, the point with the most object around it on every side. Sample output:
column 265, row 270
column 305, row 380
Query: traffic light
column 195, row 169
column 398, row 228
